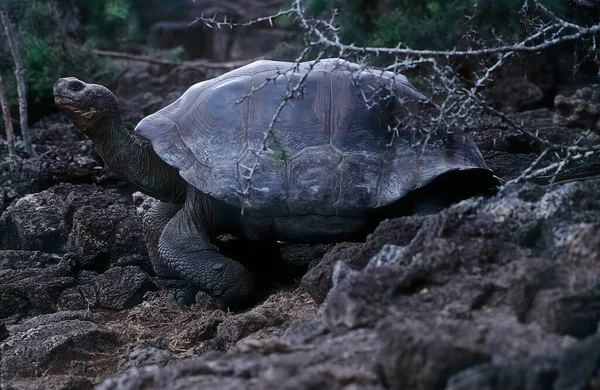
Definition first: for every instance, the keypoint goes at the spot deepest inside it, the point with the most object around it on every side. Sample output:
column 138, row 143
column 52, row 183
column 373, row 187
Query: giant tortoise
column 339, row 159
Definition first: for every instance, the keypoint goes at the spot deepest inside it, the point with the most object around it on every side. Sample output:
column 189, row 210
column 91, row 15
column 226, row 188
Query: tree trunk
column 10, row 134
column 20, row 76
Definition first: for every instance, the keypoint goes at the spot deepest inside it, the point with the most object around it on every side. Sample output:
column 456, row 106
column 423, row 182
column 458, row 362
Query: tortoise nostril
column 76, row 86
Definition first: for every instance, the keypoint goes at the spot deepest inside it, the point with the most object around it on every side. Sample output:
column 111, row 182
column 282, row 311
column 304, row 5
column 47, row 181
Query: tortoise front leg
column 184, row 247
column 153, row 224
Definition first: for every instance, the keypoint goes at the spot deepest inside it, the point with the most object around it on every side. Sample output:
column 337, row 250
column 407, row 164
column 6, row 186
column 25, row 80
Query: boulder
column 581, row 109
column 41, row 345
column 42, row 221
column 118, row 288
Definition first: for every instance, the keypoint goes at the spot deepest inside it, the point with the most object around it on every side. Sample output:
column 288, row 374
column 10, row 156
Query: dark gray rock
column 515, row 94
column 3, row 331
column 582, row 109
column 304, row 331
column 144, row 353
column 575, row 367
column 425, row 353
column 563, row 312
column 46, row 319
column 122, row 288
column 327, row 363
column 42, row 346
column 532, row 374
column 34, row 223
column 42, row 221
column 52, row 382
column 234, row 328
column 579, row 366
column 30, row 291
column 101, row 237
column 118, row 288
column 16, row 259
column 473, row 254
column 416, row 359
column 317, row 281
column 206, row 327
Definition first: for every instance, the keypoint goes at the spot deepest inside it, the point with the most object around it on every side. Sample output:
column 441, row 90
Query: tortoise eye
column 76, row 86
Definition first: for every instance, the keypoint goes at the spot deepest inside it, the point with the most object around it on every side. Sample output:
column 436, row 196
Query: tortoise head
column 87, row 104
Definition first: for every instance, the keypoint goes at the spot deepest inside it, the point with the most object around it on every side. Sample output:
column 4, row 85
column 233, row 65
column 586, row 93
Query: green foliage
column 116, row 11
column 110, row 22
column 41, row 73
column 425, row 24
column 316, row 7
column 175, row 54
column 439, row 25
column 49, row 50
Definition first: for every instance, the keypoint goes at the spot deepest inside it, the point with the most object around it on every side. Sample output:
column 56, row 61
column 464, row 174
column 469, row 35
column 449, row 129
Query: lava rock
column 234, row 328
column 123, row 287
column 35, row 347
column 52, row 382
column 33, row 223
column 328, row 363
column 497, row 236
column 579, row 365
column 30, row 291
column 3, row 331
column 317, row 281
column 42, row 221
column 563, row 312
column 416, row 359
column 145, row 353
column 532, row 374
column 429, row 353
column 15, row 259
column 118, row 288
column 516, row 94
column 575, row 367
column 100, row 237
column 582, row 109
column 206, row 327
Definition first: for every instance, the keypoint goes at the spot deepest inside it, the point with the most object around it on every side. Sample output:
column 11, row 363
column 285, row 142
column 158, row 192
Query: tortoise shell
column 332, row 149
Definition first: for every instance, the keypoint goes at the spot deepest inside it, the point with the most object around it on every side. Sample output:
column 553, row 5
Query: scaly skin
column 153, row 224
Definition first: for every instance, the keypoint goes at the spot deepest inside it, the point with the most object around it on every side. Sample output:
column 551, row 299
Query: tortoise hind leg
column 153, row 224
column 184, row 247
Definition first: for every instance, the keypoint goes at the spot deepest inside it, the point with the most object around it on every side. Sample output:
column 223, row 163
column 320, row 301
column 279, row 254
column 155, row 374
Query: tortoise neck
column 132, row 157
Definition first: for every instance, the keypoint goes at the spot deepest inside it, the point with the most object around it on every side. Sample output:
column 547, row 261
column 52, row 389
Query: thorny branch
column 460, row 104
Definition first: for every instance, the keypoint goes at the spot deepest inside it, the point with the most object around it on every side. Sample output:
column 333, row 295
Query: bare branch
column 10, row 134
column 20, row 76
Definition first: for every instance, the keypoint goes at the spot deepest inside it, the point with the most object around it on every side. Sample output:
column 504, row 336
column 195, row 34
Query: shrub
column 54, row 43
column 427, row 24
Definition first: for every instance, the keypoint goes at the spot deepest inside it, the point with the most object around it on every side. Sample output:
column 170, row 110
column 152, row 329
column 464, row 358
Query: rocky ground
column 498, row 293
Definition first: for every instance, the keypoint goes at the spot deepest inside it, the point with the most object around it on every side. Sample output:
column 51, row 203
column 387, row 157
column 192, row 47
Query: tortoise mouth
column 64, row 101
